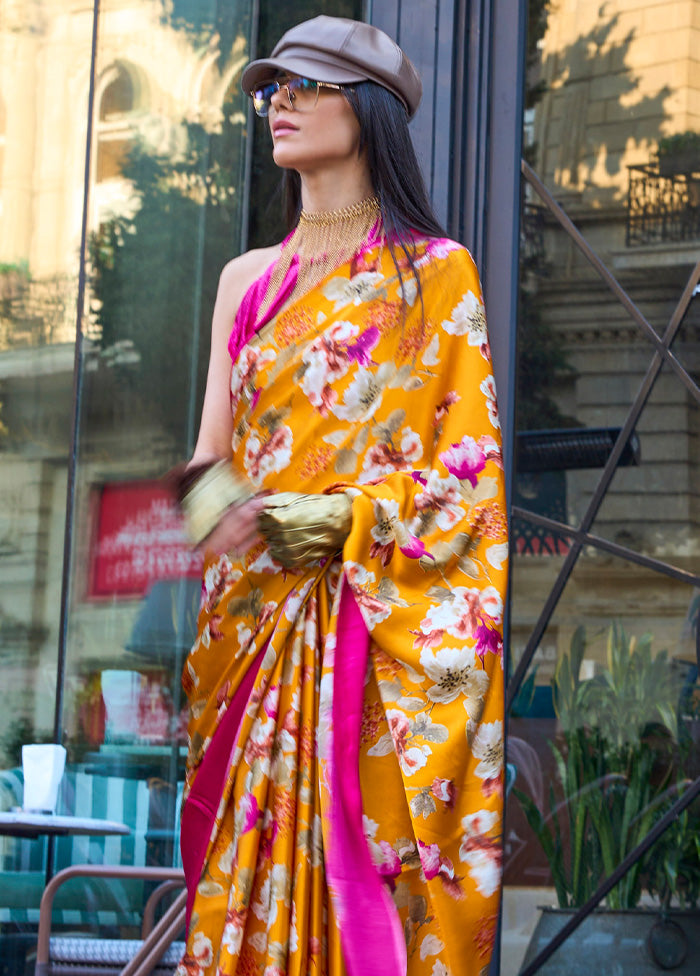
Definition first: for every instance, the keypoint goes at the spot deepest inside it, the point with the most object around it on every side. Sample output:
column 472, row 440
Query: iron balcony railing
column 662, row 208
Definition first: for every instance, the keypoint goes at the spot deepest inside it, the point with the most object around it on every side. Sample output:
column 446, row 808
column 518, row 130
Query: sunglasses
column 302, row 94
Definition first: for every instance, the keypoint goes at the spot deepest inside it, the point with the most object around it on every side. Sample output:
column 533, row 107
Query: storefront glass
column 168, row 200
column 603, row 728
column 44, row 82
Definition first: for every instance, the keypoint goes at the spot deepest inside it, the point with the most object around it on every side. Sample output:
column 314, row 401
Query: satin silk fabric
column 360, row 792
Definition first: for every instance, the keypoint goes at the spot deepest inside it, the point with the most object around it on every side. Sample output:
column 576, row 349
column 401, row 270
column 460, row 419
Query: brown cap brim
column 264, row 70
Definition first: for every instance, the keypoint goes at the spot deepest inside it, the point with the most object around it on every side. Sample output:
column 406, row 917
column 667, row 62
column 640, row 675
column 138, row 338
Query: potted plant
column 679, row 153
column 619, row 766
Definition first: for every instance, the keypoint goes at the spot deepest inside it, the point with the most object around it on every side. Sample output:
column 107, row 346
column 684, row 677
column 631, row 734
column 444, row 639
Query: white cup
column 120, row 692
column 43, row 765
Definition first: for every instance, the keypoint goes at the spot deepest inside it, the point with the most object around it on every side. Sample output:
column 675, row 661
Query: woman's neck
column 325, row 191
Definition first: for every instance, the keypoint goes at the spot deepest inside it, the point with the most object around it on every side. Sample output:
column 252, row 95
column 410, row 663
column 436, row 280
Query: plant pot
column 633, row 942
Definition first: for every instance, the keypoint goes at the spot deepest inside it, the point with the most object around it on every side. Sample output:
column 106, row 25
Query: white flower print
column 264, row 457
column 364, row 395
column 440, row 969
column 202, row 949
column 245, row 636
column 295, row 599
column 430, row 356
column 411, row 757
column 482, row 853
column 479, row 822
column 461, row 615
column 264, row 563
column 217, row 578
column 455, row 672
column 485, row 868
column 373, row 609
column 492, row 603
column 437, row 249
column 382, row 459
column 360, row 288
column 261, row 907
column 441, row 496
column 410, row 290
column 430, row 946
column 249, row 361
column 389, row 531
column 386, row 511
column 258, row 940
column 326, row 360
column 369, row 827
column 232, row 938
column 487, row 746
column 488, row 388
column 496, row 555
column 468, row 318
column 293, row 934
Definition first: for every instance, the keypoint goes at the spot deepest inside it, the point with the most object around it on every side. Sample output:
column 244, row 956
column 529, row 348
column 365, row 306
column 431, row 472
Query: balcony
column 662, row 208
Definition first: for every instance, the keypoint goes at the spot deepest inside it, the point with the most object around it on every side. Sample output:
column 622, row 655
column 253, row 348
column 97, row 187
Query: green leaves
column 614, row 757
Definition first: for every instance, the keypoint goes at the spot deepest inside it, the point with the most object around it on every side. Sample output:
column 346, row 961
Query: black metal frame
column 474, row 51
column 582, row 535
column 661, row 355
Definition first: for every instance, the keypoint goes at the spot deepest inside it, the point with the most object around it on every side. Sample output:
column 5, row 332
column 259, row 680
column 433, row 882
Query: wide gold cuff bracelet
column 302, row 528
column 210, row 496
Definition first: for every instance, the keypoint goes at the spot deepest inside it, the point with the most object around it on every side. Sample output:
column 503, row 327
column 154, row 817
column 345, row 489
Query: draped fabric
column 344, row 793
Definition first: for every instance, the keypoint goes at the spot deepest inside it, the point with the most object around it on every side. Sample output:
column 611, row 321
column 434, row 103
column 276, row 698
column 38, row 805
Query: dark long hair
column 396, row 177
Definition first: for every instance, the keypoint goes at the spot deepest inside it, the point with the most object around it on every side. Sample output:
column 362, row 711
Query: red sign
column 138, row 540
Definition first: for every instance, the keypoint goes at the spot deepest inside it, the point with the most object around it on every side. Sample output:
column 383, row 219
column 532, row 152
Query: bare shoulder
column 239, row 274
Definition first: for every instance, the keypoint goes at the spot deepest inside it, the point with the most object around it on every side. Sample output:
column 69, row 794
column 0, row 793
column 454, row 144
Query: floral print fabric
column 353, row 389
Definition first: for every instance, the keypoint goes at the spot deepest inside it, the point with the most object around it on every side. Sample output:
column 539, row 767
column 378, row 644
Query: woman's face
column 312, row 136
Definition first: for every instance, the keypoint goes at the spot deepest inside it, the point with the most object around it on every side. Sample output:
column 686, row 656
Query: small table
column 19, row 823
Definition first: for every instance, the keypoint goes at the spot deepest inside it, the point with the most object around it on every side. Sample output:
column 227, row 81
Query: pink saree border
column 370, row 930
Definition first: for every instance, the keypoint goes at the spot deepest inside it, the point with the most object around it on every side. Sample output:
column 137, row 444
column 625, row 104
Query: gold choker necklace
column 322, row 241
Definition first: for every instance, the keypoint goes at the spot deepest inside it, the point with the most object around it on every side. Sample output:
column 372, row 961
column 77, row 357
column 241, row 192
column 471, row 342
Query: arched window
column 115, row 123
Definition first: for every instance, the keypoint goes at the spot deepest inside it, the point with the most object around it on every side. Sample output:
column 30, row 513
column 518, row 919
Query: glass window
column 44, row 78
column 167, row 204
column 603, row 728
column 167, row 210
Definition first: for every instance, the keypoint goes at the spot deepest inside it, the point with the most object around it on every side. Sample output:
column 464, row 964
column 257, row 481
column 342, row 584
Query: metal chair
column 155, row 952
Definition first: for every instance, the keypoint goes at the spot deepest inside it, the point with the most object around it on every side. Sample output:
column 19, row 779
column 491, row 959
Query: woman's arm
column 216, row 427
column 237, row 530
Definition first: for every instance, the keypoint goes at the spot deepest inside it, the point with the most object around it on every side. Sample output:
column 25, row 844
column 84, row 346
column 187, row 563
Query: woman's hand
column 237, row 531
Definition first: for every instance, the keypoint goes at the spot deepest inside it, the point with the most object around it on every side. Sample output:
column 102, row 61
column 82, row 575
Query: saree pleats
column 358, row 826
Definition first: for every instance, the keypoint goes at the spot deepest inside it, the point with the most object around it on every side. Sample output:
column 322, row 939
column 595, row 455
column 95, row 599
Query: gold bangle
column 213, row 493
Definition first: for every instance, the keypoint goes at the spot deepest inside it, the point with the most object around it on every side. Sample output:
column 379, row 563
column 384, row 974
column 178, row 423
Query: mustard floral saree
column 345, row 780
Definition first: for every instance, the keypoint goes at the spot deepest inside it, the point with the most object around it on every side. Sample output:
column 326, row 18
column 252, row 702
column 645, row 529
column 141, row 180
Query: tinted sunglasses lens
column 302, row 86
column 261, row 98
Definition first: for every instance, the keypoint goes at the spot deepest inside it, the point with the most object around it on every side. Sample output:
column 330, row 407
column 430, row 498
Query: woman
column 344, row 789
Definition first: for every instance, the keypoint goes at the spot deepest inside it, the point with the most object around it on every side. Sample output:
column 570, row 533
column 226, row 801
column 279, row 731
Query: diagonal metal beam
column 660, row 356
column 589, row 539
column 662, row 344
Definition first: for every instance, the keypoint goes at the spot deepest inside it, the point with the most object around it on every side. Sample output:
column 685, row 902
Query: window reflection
column 115, row 129
column 603, row 734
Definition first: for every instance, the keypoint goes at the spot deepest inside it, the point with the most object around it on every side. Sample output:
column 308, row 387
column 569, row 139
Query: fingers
column 237, row 531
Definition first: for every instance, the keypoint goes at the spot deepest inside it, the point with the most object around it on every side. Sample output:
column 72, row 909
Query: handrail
column 149, row 911
column 42, row 966
column 158, row 941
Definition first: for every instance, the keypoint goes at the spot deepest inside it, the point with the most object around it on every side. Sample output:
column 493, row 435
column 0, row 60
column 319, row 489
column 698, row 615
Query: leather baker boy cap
column 340, row 51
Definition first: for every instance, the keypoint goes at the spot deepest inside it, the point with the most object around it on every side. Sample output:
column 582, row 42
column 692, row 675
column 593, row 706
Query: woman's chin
column 287, row 158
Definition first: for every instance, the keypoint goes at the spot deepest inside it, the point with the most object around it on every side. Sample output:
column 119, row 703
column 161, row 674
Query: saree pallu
column 344, row 792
